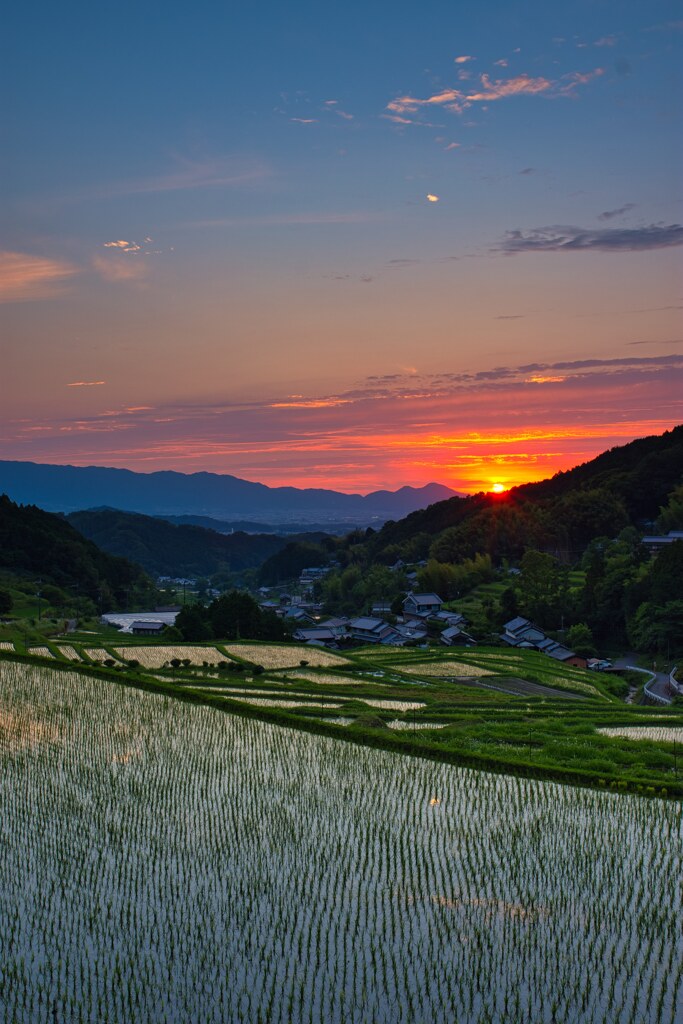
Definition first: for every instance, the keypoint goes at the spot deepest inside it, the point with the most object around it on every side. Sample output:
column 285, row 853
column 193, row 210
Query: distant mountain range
column 220, row 496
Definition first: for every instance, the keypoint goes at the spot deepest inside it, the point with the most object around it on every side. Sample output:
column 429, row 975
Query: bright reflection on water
column 164, row 862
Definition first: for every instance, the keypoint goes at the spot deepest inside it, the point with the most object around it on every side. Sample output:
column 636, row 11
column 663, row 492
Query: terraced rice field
column 394, row 705
column 97, row 654
column 165, row 862
column 657, row 734
column 398, row 723
column 41, row 652
column 283, row 702
column 444, row 669
column 70, row 653
column 157, row 656
column 284, row 655
column 323, row 678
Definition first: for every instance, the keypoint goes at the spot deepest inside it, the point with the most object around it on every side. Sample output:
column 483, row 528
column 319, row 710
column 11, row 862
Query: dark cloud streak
column 572, row 239
column 609, row 214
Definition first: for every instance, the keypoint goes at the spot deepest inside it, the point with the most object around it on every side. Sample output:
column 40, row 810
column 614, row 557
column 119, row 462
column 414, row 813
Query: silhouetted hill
column 69, row 488
column 249, row 526
column 623, row 486
column 164, row 549
column 42, row 545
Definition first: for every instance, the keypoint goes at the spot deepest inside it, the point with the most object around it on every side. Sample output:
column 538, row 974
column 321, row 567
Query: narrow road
column 658, row 681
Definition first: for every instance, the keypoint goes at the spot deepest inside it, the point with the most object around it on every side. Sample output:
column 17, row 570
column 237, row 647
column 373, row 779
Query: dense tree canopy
column 232, row 616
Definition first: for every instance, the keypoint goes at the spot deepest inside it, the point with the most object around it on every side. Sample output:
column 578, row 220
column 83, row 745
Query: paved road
column 659, row 680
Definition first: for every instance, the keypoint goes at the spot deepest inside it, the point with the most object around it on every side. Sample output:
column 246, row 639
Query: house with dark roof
column 317, row 635
column 296, row 614
column 147, row 628
column 370, row 630
column 453, row 636
column 422, row 605
column 655, row 544
column 413, row 632
column 520, row 632
column 338, row 624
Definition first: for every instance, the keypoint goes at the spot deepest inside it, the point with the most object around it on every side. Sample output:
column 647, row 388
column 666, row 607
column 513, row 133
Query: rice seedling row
column 165, row 862
column 656, row 734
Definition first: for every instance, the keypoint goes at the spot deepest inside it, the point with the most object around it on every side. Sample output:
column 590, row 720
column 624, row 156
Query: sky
column 342, row 245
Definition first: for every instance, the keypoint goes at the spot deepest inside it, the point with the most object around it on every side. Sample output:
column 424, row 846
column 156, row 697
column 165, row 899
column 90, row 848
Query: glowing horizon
column 246, row 258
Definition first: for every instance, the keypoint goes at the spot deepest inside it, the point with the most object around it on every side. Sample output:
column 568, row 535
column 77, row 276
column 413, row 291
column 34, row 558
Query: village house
column 453, row 636
column 520, row 632
column 317, row 636
column 147, row 628
column 373, row 631
column 338, row 624
column 422, row 605
column 655, row 544
column 297, row 614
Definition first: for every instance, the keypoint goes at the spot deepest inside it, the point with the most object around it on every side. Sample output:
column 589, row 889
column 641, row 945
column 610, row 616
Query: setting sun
column 498, row 488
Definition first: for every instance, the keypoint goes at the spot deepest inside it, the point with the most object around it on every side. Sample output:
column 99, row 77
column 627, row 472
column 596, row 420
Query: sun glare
column 498, row 488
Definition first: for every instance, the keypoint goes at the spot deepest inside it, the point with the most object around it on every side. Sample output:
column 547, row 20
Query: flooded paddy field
column 166, row 862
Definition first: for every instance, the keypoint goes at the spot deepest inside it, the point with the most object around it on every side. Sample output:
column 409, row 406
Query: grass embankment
column 508, row 711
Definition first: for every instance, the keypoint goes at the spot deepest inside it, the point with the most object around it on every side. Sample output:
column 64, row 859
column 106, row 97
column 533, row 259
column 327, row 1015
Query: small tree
column 580, row 639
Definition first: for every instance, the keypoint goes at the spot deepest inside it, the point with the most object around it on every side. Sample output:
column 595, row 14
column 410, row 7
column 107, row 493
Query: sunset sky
column 348, row 245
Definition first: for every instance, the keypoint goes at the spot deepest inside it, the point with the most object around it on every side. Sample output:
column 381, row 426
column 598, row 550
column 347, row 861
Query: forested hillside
column 574, row 542
column 625, row 486
column 165, row 549
column 44, row 546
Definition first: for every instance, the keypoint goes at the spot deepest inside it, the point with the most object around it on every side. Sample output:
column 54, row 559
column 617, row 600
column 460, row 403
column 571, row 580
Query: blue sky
column 216, row 207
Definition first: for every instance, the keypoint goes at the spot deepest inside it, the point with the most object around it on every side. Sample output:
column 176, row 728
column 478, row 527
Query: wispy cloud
column 187, row 174
column 572, row 239
column 85, row 383
column 24, row 277
column 119, row 268
column 502, row 88
column 677, row 341
column 610, row 214
column 490, row 90
column 310, row 403
column 464, row 59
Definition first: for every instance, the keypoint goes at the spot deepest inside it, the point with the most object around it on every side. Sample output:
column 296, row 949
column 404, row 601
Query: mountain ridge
column 66, row 488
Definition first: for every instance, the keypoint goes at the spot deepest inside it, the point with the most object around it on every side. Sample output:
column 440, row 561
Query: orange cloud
column 518, row 86
column 24, row 277
column 458, row 100
column 85, row 383
column 312, row 403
